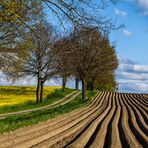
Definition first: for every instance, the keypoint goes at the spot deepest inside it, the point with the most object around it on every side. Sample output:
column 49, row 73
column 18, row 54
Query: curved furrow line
column 138, row 133
column 21, row 131
column 139, row 118
column 140, row 99
column 99, row 141
column 143, row 100
column 88, row 133
column 110, row 120
column 130, row 138
column 53, row 132
column 122, row 135
column 145, row 96
column 18, row 134
column 95, row 100
column 115, row 133
column 68, row 134
column 39, row 132
column 140, row 104
column 142, row 112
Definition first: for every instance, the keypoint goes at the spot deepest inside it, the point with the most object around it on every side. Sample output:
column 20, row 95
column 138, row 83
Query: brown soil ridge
column 113, row 120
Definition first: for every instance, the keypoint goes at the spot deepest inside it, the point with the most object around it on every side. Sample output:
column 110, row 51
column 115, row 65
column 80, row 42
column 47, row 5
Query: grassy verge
column 52, row 97
column 12, row 123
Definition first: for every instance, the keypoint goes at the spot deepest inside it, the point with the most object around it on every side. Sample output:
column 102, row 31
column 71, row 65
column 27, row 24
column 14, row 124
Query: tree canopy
column 31, row 46
column 88, row 54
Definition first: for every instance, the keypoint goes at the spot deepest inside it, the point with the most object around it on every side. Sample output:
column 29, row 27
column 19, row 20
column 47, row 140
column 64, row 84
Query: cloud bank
column 132, row 77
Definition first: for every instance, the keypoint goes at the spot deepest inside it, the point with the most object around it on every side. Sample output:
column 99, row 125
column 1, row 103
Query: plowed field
column 111, row 120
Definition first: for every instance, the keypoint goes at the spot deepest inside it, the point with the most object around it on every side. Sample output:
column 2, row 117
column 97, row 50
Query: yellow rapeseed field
column 12, row 95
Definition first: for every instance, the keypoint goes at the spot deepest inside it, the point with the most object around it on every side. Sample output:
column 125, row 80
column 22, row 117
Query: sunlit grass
column 15, row 122
column 14, row 95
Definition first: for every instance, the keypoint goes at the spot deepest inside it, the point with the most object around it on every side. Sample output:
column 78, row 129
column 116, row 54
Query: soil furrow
column 140, row 136
column 65, row 132
column 122, row 134
column 140, row 104
column 18, row 135
column 143, row 113
column 115, row 135
column 146, row 97
column 82, row 139
column 140, row 98
column 110, row 120
column 139, row 118
column 54, row 131
column 143, row 98
column 99, row 141
column 132, row 142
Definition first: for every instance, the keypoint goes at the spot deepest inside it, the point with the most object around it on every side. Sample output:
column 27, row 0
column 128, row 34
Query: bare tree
column 79, row 12
column 36, row 58
column 62, row 55
column 76, row 83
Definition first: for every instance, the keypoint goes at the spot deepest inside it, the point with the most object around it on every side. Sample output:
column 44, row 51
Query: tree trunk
column 63, row 83
column 84, row 89
column 76, row 83
column 92, row 84
column 38, row 84
column 38, row 91
column 41, row 91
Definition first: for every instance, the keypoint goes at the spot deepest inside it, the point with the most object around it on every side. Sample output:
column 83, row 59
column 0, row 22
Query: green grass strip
column 15, row 122
column 53, row 97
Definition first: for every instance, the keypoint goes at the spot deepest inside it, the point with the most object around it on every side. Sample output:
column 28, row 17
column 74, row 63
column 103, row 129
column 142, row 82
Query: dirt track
column 111, row 120
column 63, row 101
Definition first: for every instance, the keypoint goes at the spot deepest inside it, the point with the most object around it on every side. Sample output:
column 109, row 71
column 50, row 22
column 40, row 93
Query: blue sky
column 131, row 46
column 132, row 41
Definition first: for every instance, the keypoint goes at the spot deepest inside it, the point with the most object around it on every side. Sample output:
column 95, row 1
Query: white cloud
column 134, row 67
column 132, row 77
column 143, row 3
column 120, row 12
column 123, row 81
column 127, row 33
column 137, row 87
